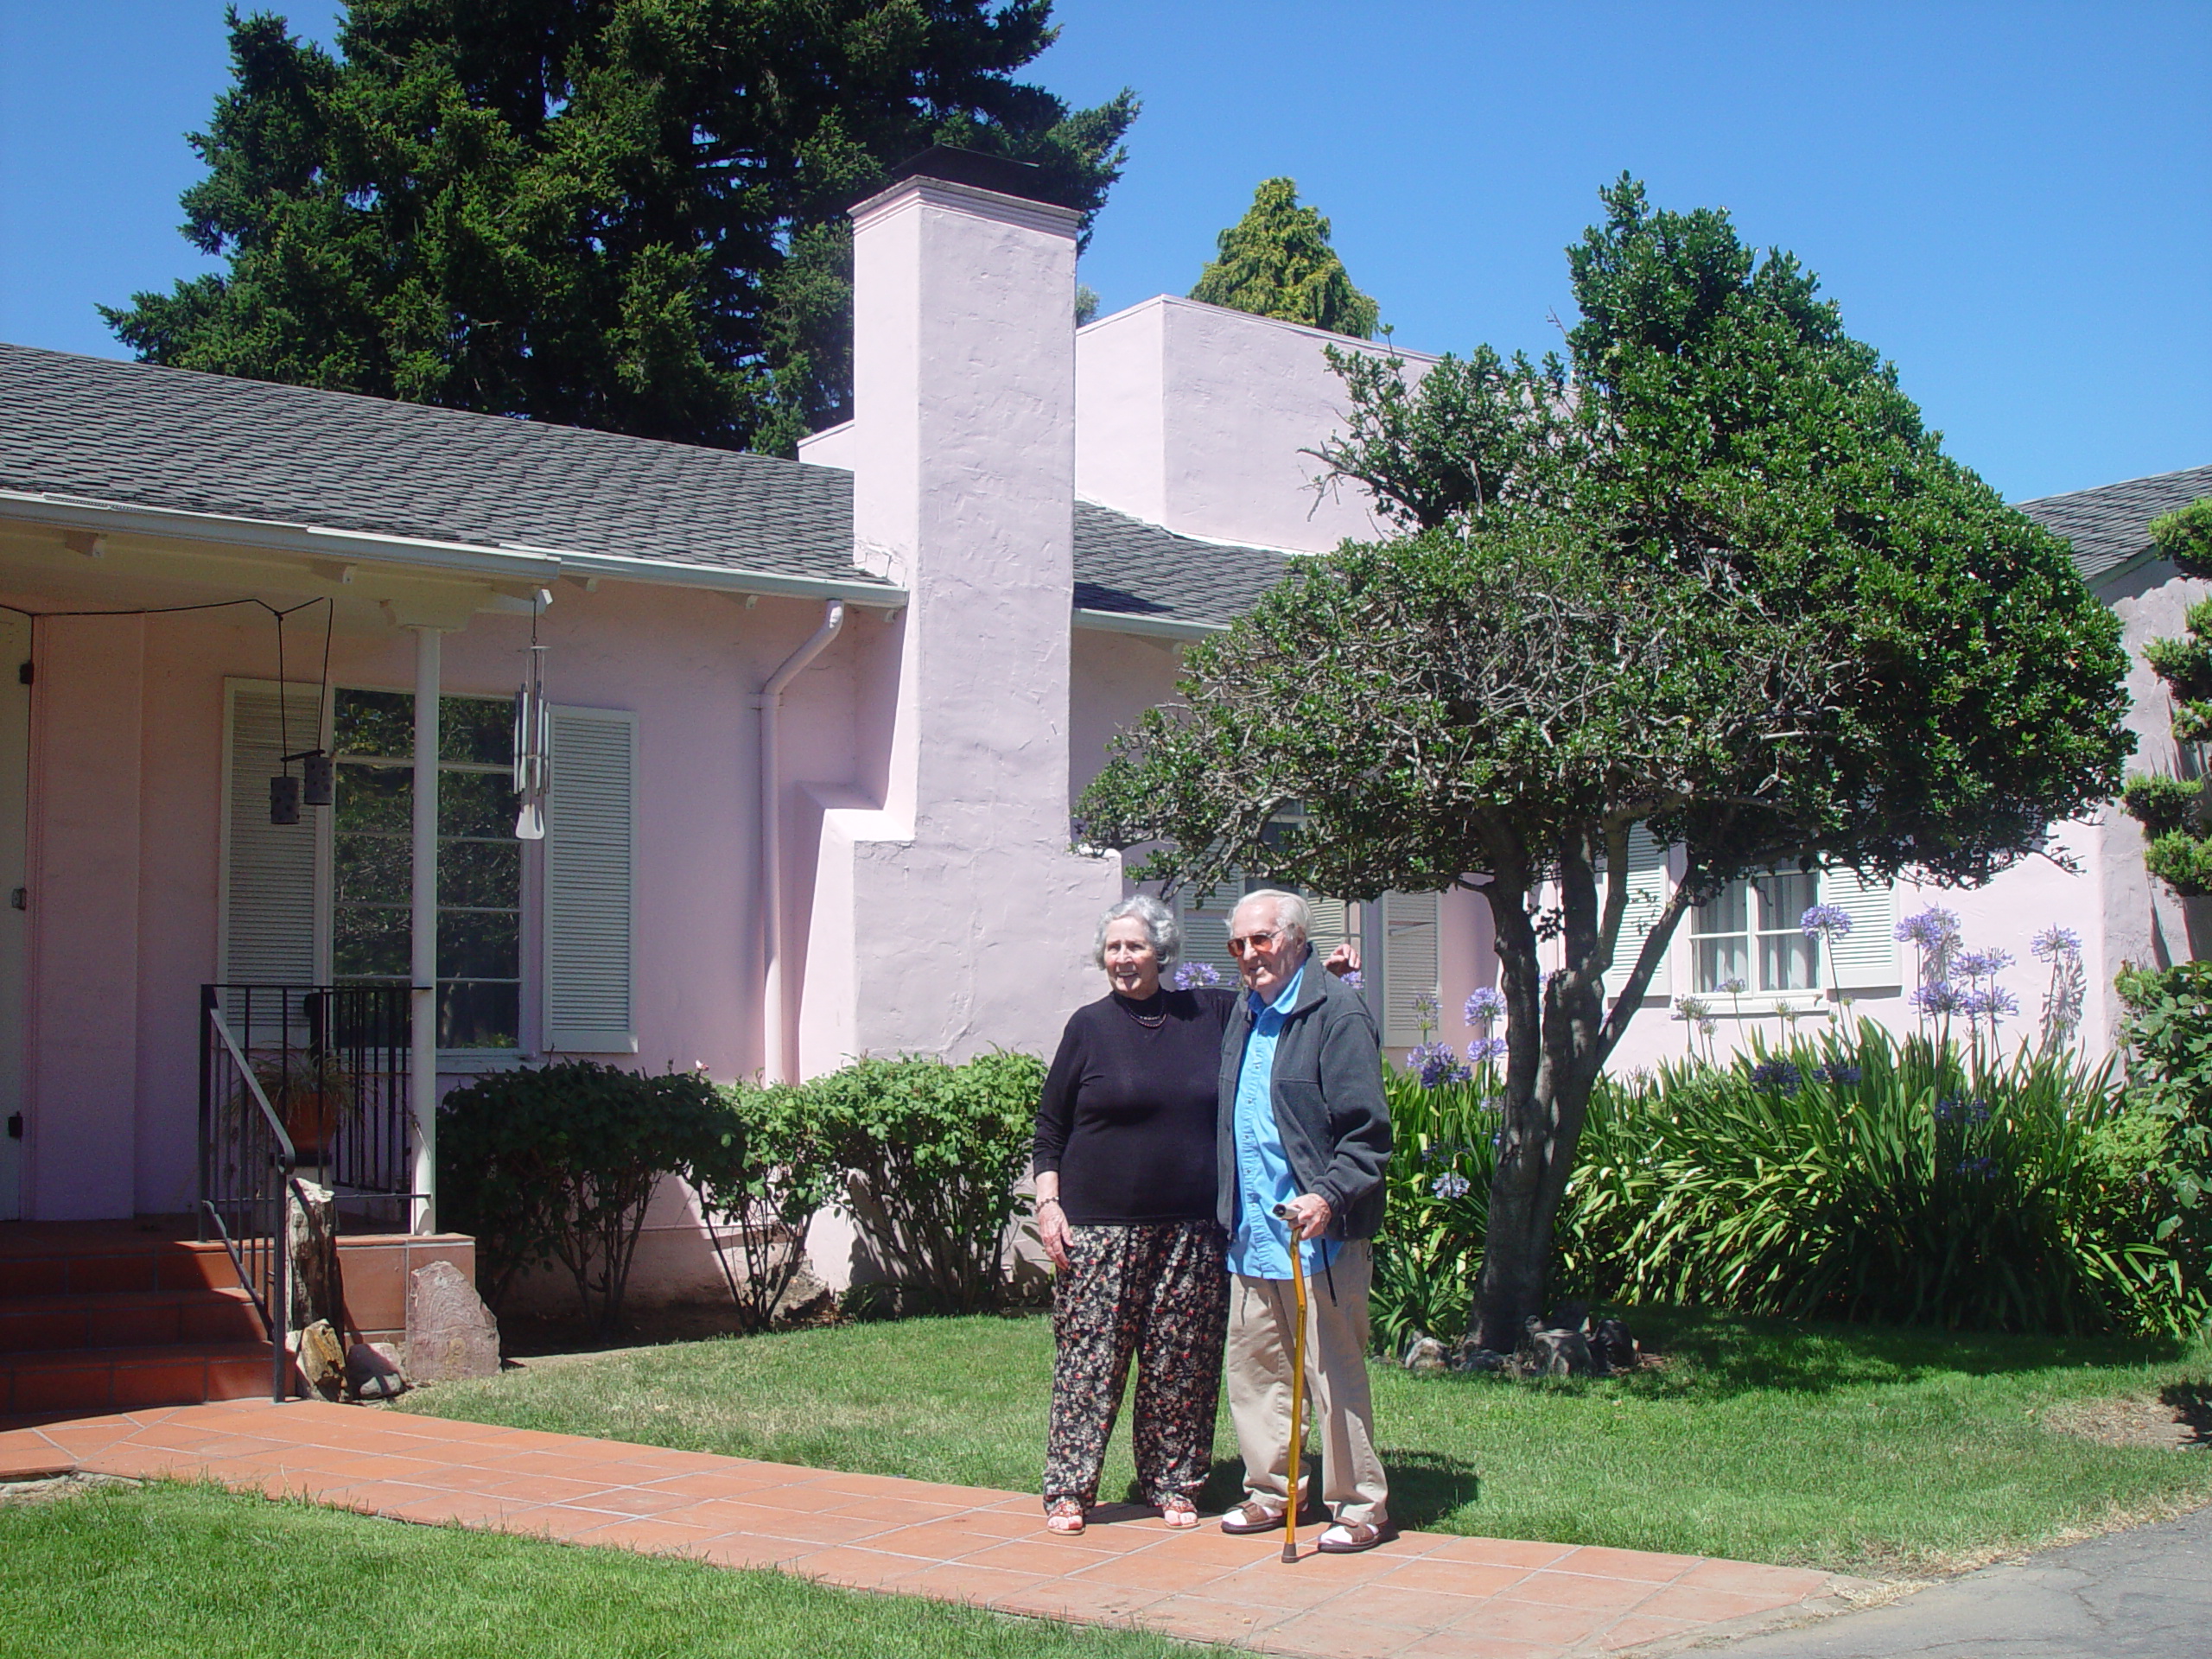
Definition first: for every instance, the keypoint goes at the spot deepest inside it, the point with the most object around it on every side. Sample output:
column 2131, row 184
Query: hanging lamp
column 533, row 733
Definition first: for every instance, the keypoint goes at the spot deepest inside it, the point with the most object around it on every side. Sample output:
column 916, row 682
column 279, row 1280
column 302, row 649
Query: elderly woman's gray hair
column 1291, row 912
column 1158, row 927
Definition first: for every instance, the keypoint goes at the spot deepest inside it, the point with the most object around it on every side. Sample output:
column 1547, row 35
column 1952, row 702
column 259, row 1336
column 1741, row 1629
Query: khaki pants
column 1262, row 1320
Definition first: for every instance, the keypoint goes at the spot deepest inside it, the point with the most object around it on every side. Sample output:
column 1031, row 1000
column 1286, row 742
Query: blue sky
column 2013, row 202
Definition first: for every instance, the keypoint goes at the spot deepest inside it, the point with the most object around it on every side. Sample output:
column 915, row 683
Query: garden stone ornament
column 451, row 1335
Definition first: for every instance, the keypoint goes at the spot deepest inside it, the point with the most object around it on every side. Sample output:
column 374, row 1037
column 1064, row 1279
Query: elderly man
column 1303, row 1124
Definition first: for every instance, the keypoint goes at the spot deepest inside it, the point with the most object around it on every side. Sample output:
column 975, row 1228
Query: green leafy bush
column 557, row 1163
column 1862, row 1176
column 1436, row 1208
column 2167, row 1040
column 1869, row 1176
column 934, row 1151
column 780, row 1170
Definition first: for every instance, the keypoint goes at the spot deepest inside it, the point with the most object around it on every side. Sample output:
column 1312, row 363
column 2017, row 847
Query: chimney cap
column 1000, row 174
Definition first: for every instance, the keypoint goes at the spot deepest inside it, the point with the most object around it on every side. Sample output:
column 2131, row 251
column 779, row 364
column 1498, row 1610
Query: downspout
column 770, row 704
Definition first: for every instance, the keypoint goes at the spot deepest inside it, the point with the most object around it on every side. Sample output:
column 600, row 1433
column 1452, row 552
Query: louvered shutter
column 1410, row 963
column 1867, row 957
column 1331, row 921
column 269, row 896
column 1649, row 885
column 590, row 855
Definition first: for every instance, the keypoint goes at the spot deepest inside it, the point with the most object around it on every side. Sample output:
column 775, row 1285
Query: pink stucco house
column 814, row 725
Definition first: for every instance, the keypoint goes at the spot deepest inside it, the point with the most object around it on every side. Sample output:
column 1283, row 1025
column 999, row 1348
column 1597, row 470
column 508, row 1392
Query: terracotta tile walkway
column 1425, row 1594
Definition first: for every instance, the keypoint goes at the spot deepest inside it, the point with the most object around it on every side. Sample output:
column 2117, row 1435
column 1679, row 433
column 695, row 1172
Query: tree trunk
column 1555, row 1042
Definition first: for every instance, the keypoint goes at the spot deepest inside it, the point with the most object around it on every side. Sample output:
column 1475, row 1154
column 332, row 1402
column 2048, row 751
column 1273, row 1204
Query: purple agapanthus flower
column 1776, row 1074
column 1196, row 973
column 1980, row 1168
column 1484, row 1006
column 1991, row 1002
column 1453, row 1185
column 1842, row 1074
column 2055, row 943
column 1484, row 1050
column 1436, row 1065
column 1932, row 929
column 1824, row 918
column 1354, row 979
column 1941, row 997
column 1980, row 964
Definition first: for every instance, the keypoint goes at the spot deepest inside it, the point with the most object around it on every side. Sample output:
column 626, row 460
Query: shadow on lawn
column 1707, row 1353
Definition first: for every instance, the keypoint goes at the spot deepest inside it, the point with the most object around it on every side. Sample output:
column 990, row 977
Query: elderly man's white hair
column 1291, row 913
column 1159, row 927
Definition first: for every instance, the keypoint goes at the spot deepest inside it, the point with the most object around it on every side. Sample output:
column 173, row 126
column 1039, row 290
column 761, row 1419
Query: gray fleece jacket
column 1331, row 1112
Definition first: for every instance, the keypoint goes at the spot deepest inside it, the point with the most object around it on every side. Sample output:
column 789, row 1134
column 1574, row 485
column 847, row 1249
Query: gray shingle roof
column 141, row 435
column 2110, row 525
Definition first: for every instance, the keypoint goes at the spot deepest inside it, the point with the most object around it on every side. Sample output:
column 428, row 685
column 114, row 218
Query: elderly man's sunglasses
column 1242, row 941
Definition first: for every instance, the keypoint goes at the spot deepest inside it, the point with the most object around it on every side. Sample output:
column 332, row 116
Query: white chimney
column 964, row 919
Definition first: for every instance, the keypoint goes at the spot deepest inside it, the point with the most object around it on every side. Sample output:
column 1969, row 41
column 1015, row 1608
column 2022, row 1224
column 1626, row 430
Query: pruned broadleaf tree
column 1712, row 576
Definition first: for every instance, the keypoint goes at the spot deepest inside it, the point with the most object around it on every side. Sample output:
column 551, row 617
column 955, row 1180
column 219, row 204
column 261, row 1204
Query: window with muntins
column 1749, row 935
column 479, row 861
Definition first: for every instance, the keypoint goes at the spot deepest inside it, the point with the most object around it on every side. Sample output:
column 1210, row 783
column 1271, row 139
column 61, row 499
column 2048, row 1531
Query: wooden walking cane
column 1296, row 1390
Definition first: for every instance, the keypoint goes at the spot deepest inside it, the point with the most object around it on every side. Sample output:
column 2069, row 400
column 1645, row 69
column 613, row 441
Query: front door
column 14, row 790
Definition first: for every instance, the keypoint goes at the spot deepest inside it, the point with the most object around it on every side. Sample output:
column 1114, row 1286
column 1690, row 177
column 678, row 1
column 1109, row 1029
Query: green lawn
column 1877, row 1452
column 175, row 1572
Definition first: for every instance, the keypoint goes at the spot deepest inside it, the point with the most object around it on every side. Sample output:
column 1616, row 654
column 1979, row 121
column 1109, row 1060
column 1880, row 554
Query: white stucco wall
column 949, row 914
column 1193, row 418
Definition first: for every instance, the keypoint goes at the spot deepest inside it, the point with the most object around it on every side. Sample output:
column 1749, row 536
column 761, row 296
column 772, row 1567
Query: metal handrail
column 275, row 1300
column 290, row 1153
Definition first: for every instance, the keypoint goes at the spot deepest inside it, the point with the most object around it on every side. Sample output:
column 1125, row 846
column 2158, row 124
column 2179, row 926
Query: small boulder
column 321, row 1360
column 451, row 1335
column 372, row 1372
column 1614, row 1348
column 1425, row 1356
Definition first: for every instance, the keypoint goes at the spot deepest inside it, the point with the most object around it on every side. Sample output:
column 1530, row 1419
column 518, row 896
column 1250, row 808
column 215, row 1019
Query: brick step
column 127, row 1319
column 89, row 1380
column 117, row 1263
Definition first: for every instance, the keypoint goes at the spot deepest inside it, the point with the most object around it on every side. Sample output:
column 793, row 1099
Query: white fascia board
column 507, row 563
column 1158, row 628
column 876, row 595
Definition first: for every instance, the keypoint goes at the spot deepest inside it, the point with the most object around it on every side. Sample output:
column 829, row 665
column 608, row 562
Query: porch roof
column 87, row 430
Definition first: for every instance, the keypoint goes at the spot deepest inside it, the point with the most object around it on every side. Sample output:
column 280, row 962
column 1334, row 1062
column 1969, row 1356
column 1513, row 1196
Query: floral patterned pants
column 1159, row 1294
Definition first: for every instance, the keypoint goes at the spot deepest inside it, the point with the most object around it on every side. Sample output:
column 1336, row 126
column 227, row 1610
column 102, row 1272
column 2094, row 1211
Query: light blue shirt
column 1260, row 1248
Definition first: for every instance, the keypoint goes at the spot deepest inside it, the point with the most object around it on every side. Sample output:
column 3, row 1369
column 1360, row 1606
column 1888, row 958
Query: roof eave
column 461, row 558
column 1156, row 628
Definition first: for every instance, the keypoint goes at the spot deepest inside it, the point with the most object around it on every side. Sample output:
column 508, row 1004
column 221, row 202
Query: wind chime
column 316, row 784
column 533, row 734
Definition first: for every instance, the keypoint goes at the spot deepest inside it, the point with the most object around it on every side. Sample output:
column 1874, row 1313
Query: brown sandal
column 1251, row 1516
column 1350, row 1537
column 1179, row 1513
column 1064, row 1516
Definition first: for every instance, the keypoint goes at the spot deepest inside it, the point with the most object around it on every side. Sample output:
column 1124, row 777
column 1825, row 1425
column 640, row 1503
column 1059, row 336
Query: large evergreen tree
column 627, row 215
column 1276, row 262
column 1722, row 582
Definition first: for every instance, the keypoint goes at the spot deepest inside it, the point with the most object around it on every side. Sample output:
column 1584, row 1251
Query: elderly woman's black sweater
column 1127, row 1116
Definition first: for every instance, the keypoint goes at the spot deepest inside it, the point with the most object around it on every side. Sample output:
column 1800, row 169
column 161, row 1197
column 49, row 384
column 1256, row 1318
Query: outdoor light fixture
column 318, row 777
column 533, row 730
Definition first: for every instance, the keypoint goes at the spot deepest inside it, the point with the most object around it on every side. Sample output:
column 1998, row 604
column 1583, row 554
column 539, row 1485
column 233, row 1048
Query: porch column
column 423, row 1030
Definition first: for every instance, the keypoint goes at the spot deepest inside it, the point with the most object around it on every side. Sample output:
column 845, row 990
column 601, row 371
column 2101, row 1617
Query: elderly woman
column 1125, row 1162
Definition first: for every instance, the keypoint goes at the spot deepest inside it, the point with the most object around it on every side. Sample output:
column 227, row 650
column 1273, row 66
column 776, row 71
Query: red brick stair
column 114, row 1316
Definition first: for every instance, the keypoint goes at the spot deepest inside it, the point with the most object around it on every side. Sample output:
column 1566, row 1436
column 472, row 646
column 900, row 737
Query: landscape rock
column 1557, row 1352
column 1614, row 1348
column 1425, row 1356
column 451, row 1335
column 373, row 1372
column 321, row 1361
